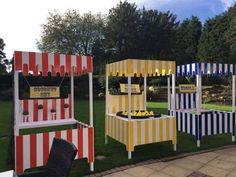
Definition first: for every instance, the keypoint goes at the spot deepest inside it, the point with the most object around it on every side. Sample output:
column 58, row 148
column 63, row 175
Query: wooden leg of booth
column 129, row 155
column 106, row 139
column 91, row 166
column 175, row 147
column 198, row 143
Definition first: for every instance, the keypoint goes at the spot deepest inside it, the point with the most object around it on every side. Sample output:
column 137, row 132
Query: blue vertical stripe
column 217, row 122
column 223, row 122
column 206, row 123
column 191, row 123
column 212, row 123
column 200, row 127
column 181, row 121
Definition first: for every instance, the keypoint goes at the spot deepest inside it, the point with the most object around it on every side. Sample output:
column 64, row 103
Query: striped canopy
column 206, row 69
column 51, row 62
column 140, row 67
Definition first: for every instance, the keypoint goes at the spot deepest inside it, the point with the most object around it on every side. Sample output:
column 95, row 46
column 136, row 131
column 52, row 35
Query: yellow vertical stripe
column 115, row 127
column 160, row 129
column 146, row 67
column 132, row 102
column 126, row 102
column 174, row 131
column 153, row 67
column 113, row 104
column 168, row 129
column 131, row 67
column 138, row 67
column 131, row 136
column 173, row 67
column 154, row 130
column 138, row 101
column 118, row 126
column 160, row 67
column 146, row 131
column 123, row 131
column 120, row 103
column 138, row 132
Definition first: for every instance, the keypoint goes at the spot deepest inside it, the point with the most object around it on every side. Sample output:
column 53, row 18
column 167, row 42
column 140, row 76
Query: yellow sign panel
column 135, row 88
column 187, row 88
column 44, row 92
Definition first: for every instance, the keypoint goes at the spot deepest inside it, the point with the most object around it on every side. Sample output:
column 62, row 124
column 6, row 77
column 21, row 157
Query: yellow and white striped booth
column 133, row 132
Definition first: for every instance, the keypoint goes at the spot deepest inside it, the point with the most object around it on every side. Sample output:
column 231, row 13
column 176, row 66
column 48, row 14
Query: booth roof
column 206, row 69
column 51, row 62
column 140, row 67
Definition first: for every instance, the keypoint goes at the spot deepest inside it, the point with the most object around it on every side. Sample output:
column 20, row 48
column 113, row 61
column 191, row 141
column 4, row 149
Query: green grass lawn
column 114, row 152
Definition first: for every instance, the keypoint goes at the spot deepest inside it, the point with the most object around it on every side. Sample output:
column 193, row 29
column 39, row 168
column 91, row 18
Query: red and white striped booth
column 32, row 150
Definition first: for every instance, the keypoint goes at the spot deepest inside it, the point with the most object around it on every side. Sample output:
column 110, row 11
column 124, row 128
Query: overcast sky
column 21, row 19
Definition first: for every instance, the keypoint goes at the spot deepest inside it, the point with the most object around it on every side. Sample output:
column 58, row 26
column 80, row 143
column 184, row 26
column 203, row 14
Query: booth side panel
column 117, row 129
column 116, row 103
column 33, row 150
column 185, row 100
column 217, row 122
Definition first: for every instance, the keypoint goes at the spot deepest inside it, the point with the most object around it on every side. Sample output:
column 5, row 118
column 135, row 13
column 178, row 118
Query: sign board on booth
column 135, row 88
column 187, row 88
column 44, row 92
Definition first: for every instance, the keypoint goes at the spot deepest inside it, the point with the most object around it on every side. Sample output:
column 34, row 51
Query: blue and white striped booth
column 203, row 122
column 206, row 69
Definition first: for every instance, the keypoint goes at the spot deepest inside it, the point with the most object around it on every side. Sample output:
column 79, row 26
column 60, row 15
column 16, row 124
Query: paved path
column 221, row 163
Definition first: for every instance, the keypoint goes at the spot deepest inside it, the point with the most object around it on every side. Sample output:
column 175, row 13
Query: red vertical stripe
column 33, row 150
column 25, row 105
column 36, row 70
column 18, row 60
column 32, row 61
column 80, row 143
column 62, row 109
column 90, row 145
column 70, row 106
column 45, row 109
column 53, row 71
column 62, row 70
column 89, row 63
column 45, row 63
column 68, row 63
column 79, row 64
column 69, row 135
column 19, row 154
column 35, row 118
column 58, row 134
column 45, row 147
column 25, row 69
column 57, row 62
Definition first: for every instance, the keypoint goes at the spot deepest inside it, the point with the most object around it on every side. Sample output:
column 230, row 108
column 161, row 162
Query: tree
column 188, row 35
column 3, row 61
column 122, row 30
column 156, row 34
column 212, row 45
column 71, row 33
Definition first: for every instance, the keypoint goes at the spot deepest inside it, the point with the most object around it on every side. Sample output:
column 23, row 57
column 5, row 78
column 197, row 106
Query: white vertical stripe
column 183, row 122
column 75, row 139
column 26, row 151
column 135, row 132
column 142, row 132
column 157, row 131
column 73, row 60
column 149, row 66
column 63, row 135
column 214, row 123
column 203, row 124
column 150, row 131
column 164, row 129
column 220, row 122
column 40, row 111
column 39, row 149
column 63, row 60
column 49, row 104
column 67, row 115
column 135, row 66
column 38, row 61
column 117, row 133
column 51, row 136
column 209, row 124
column 194, row 124
column 226, row 121
column 85, row 142
column 123, row 103
column 31, row 110
column 25, row 58
column 179, row 123
column 188, row 125
column 58, row 108
column 135, row 102
column 121, row 130
column 50, row 61
column 230, row 124
column 125, row 130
